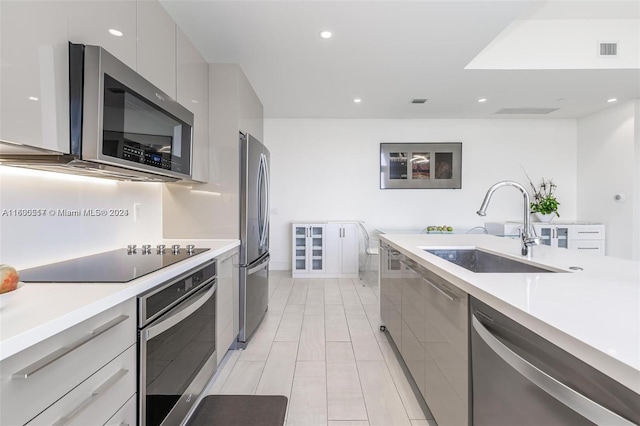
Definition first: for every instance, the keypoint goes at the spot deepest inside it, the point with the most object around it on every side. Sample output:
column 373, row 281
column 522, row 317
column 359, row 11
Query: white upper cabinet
column 90, row 22
column 157, row 46
column 193, row 94
column 34, row 60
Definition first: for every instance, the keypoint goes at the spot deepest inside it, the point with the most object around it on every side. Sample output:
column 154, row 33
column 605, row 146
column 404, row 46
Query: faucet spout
column 528, row 239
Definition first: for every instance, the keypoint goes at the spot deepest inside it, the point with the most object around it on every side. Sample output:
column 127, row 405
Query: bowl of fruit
column 432, row 229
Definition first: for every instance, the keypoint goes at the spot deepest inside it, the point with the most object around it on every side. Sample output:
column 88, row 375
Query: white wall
column 29, row 241
column 608, row 147
column 330, row 169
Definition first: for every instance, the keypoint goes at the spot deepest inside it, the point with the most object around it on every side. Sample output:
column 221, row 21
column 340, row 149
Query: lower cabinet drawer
column 37, row 377
column 586, row 232
column 588, row 246
column 127, row 415
column 95, row 400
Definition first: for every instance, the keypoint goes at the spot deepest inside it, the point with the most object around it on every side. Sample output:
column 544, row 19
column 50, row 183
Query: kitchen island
column 590, row 308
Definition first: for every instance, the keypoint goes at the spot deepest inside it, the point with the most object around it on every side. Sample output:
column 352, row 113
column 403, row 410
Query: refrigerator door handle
column 267, row 204
column 259, row 188
column 259, row 266
column 263, row 179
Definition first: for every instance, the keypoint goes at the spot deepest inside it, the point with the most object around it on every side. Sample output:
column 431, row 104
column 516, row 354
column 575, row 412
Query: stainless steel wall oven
column 176, row 344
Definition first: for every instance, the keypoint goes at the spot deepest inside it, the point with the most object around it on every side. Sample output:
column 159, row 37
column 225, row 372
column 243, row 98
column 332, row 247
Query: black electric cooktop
column 116, row 266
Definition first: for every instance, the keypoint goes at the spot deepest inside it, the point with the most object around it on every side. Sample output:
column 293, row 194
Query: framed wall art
column 421, row 165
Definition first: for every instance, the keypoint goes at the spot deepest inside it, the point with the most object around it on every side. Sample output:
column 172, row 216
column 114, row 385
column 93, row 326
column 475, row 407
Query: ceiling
column 515, row 53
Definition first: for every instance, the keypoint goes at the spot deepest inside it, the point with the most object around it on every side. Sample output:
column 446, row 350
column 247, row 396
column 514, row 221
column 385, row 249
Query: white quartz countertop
column 593, row 314
column 35, row 312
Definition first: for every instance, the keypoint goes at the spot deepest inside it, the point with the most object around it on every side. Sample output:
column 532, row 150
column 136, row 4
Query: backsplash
column 46, row 217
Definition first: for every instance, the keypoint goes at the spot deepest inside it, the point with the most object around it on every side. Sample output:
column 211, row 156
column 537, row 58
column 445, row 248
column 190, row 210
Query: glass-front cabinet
column 553, row 235
column 309, row 247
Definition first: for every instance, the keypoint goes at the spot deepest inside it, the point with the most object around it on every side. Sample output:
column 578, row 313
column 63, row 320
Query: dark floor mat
column 240, row 410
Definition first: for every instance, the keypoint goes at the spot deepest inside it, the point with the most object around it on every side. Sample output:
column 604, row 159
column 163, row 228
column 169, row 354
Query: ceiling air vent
column 608, row 49
column 418, row 101
column 526, row 110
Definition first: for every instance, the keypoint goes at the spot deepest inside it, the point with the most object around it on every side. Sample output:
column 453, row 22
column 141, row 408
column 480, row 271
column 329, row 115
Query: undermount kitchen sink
column 482, row 262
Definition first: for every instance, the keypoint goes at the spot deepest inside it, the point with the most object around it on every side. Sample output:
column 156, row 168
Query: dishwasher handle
column 576, row 401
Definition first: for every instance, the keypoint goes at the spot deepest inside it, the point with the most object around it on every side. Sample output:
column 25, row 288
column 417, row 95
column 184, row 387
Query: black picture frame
column 428, row 165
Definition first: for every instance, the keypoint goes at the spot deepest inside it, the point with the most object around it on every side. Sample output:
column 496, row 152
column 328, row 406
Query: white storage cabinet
column 308, row 249
column 587, row 237
column 325, row 250
column 584, row 236
column 83, row 375
column 342, row 250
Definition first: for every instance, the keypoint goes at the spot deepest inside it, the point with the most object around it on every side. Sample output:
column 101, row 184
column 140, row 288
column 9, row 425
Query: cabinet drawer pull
column 97, row 393
column 27, row 372
column 446, row 294
column 588, row 232
column 588, row 248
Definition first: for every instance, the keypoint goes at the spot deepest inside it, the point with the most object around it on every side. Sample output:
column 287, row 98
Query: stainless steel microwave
column 118, row 118
column 121, row 126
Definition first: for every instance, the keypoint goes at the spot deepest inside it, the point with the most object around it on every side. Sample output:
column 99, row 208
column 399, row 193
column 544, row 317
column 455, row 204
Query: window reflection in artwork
column 444, row 165
column 397, row 165
column 421, row 165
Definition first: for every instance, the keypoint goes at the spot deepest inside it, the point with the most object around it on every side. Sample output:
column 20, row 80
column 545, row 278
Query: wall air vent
column 608, row 49
column 418, row 101
column 526, row 110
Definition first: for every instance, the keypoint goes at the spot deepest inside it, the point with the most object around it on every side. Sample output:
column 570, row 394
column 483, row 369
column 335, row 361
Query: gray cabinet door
column 390, row 295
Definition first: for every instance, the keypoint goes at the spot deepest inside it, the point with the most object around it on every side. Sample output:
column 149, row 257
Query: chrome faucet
column 527, row 239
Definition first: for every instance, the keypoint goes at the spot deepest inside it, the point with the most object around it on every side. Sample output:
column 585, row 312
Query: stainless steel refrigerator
column 254, row 235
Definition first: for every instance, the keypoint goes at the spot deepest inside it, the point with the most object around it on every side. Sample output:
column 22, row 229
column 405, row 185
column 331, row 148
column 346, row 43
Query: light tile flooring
column 320, row 345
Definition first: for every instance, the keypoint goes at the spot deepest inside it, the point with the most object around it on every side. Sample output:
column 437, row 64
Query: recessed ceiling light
column 612, row 100
column 33, row 98
column 481, row 100
column 357, row 100
column 326, row 34
column 115, row 32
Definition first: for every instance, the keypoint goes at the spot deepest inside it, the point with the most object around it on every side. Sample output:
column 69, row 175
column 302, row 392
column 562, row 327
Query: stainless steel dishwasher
column 519, row 378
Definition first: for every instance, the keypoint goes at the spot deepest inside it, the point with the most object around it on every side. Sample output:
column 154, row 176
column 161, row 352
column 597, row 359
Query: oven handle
column 182, row 311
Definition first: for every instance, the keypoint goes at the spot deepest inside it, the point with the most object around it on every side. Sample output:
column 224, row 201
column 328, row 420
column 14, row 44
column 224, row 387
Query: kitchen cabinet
column 342, row 250
column 584, row 236
column 446, row 350
column 90, row 22
column 390, row 272
column 34, row 55
column 193, row 94
column 427, row 318
column 126, row 415
column 95, row 400
column 308, row 249
column 156, row 49
column 588, row 237
column 93, row 362
column 227, row 297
